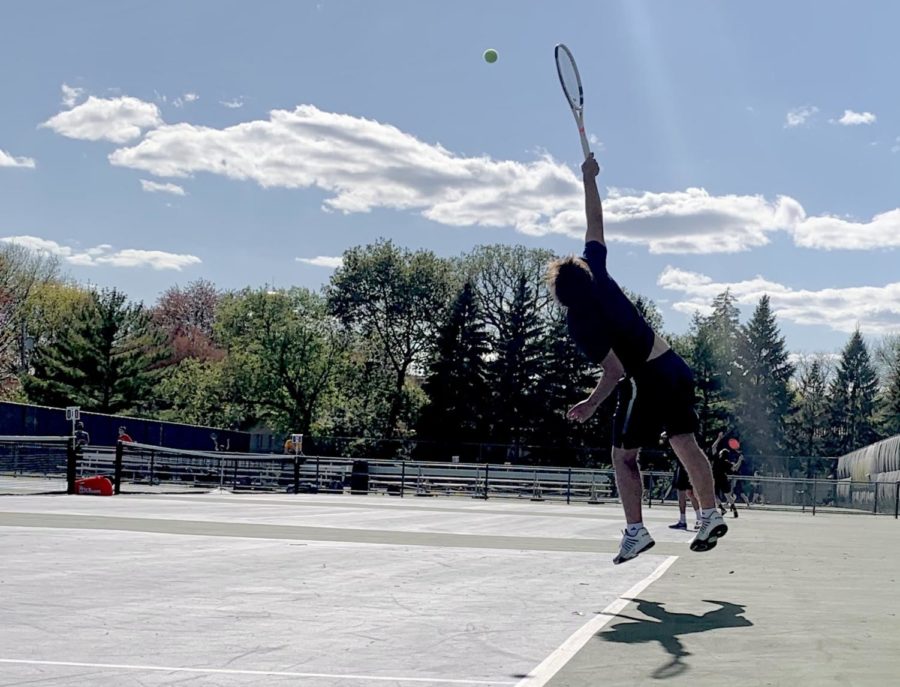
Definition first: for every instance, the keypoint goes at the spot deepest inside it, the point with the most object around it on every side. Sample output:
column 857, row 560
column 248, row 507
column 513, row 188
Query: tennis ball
column 490, row 56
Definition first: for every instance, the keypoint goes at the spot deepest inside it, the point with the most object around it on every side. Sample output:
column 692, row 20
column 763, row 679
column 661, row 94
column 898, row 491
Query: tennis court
column 224, row 589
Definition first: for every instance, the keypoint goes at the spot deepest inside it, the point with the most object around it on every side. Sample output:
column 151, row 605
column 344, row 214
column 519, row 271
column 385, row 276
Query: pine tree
column 763, row 394
column 516, row 369
column 456, row 384
column 852, row 399
column 809, row 426
column 105, row 358
column 890, row 397
column 567, row 377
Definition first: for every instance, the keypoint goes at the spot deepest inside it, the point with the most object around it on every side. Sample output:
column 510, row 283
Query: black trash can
column 359, row 477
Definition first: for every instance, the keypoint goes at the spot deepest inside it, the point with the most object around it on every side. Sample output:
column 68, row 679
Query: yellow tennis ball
column 490, row 56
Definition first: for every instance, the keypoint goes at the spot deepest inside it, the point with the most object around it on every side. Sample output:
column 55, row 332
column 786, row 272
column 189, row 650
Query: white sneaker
column 697, row 525
column 712, row 528
column 633, row 544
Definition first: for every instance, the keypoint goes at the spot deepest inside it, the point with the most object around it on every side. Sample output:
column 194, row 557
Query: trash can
column 359, row 477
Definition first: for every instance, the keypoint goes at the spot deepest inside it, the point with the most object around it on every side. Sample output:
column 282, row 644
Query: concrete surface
column 351, row 590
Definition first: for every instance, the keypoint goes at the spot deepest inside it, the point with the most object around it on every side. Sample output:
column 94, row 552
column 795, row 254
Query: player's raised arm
column 592, row 206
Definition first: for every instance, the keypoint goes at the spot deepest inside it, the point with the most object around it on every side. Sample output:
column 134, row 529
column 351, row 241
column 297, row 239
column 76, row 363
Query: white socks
column 633, row 528
column 706, row 512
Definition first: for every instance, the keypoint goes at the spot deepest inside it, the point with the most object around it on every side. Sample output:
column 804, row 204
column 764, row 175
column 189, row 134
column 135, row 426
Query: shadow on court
column 664, row 627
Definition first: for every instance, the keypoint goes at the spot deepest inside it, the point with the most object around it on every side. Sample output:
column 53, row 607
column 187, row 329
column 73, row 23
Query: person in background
column 124, row 436
column 82, row 438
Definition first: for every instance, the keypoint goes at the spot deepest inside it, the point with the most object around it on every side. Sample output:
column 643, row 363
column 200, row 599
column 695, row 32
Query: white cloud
column 234, row 104
column 7, row 160
column 874, row 309
column 71, row 95
column 851, row 118
column 323, row 261
column 155, row 187
column 829, row 233
column 896, row 147
column 105, row 255
column 364, row 165
column 111, row 119
column 799, row 116
column 181, row 100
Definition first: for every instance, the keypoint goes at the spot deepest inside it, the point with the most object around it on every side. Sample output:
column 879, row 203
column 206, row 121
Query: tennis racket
column 571, row 85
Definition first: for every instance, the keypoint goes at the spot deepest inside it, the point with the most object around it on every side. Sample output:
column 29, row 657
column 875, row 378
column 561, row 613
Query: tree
column 198, row 392
column 105, row 358
column 809, row 427
column 188, row 315
column 496, row 273
column 566, row 378
column 764, row 394
column 516, row 369
column 283, row 354
column 397, row 299
column 456, row 384
column 852, row 399
column 22, row 272
column 888, row 356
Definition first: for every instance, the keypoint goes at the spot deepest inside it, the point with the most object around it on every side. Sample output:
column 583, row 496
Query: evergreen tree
column 516, row 370
column 809, row 425
column 713, row 409
column 890, row 398
column 105, row 358
column 456, row 384
column 764, row 395
column 566, row 378
column 852, row 399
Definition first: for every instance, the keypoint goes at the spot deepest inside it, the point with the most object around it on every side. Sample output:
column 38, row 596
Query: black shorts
column 658, row 398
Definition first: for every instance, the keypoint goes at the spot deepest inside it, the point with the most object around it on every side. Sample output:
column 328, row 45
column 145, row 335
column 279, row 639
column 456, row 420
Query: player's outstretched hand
column 590, row 167
column 582, row 411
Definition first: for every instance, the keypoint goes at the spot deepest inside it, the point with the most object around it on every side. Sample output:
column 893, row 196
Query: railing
column 146, row 468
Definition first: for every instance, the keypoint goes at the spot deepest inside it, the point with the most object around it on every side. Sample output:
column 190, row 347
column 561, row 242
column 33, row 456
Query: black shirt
column 611, row 321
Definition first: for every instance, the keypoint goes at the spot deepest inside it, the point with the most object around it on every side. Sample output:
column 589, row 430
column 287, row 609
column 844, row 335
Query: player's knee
column 625, row 458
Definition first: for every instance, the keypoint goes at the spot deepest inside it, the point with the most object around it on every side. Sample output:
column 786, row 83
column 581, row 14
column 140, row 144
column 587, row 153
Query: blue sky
column 754, row 146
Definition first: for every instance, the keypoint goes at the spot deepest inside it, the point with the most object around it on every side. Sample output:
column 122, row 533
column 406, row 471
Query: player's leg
column 682, row 512
column 635, row 537
column 696, row 504
column 627, row 426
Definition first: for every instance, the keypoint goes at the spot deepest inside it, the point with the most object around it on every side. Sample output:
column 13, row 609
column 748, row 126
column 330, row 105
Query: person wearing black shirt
column 654, row 386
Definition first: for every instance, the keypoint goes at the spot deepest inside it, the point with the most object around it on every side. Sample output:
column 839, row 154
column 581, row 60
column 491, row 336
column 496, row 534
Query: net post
column 317, row 475
column 815, row 482
column 296, row 474
column 71, row 464
column 402, row 477
column 487, row 471
column 875, row 500
column 897, row 501
column 117, row 480
column 569, row 488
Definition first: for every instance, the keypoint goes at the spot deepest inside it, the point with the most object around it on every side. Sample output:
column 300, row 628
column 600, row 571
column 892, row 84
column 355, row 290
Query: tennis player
column 654, row 386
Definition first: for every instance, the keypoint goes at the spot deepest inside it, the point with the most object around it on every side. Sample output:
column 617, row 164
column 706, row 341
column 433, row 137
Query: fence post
column 875, row 500
column 71, row 458
column 402, row 477
column 569, row 488
column 318, row 486
column 296, row 474
column 650, row 492
column 897, row 502
column 117, row 469
column 815, row 482
column 487, row 472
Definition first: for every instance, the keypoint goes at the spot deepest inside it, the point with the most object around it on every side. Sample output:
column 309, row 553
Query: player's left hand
column 590, row 167
column 582, row 411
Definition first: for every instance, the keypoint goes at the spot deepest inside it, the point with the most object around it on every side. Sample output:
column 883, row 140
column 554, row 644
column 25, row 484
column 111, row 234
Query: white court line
column 272, row 673
column 551, row 665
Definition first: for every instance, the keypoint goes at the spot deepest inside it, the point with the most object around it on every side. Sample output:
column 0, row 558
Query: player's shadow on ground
column 664, row 627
